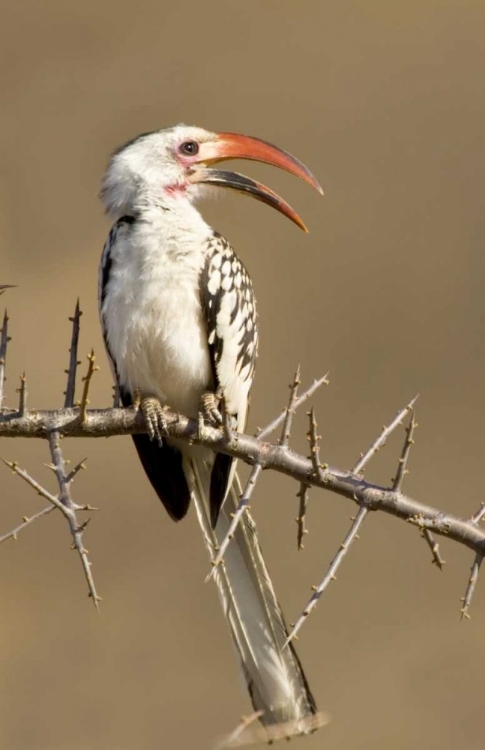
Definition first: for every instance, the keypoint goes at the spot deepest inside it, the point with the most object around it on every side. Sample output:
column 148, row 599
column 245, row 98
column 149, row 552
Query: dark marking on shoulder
column 123, row 222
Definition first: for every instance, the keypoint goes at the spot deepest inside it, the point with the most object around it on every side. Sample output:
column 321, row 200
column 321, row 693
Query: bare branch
column 92, row 368
column 290, row 409
column 403, row 461
column 69, row 506
column 331, row 572
column 22, row 391
column 34, row 484
column 116, row 396
column 313, row 439
column 109, row 422
column 475, row 569
column 436, row 558
column 380, row 441
column 73, row 360
column 263, row 433
column 302, row 530
column 64, row 503
column 471, row 587
column 4, row 339
column 236, row 517
column 478, row 516
column 75, row 470
column 26, row 521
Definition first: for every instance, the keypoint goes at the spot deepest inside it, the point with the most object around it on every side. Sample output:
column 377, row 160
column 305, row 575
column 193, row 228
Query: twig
column 26, row 522
column 6, row 286
column 73, row 360
column 92, row 368
column 75, row 470
column 290, row 409
column 263, row 433
column 330, row 574
column 313, row 439
column 116, row 396
column 236, row 517
column 302, row 530
column 22, row 391
column 35, row 485
column 64, row 503
column 477, row 517
column 65, row 498
column 467, row 600
column 433, row 545
column 379, row 441
column 4, row 339
column 403, row 461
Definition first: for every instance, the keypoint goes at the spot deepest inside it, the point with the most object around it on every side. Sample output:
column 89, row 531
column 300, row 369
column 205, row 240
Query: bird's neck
column 173, row 218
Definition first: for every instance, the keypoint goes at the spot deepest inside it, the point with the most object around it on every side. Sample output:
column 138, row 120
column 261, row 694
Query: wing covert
column 229, row 307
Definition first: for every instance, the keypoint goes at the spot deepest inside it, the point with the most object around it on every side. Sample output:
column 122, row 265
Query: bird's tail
column 274, row 676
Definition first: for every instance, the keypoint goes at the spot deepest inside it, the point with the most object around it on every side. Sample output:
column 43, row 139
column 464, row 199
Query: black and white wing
column 229, row 308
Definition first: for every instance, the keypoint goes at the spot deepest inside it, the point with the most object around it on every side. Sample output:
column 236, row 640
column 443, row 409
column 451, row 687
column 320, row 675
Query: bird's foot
column 209, row 408
column 209, row 411
column 155, row 418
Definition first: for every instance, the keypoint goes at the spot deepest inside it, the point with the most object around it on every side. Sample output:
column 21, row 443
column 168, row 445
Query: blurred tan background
column 385, row 102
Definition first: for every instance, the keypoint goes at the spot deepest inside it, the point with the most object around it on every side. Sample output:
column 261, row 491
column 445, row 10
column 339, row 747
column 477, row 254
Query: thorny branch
column 470, row 589
column 92, row 368
column 290, row 409
column 22, row 391
column 102, row 423
column 330, row 575
column 357, row 521
column 302, row 494
column 236, row 517
column 26, row 521
column 79, row 421
column 71, row 372
column 69, row 510
column 4, row 339
column 397, row 484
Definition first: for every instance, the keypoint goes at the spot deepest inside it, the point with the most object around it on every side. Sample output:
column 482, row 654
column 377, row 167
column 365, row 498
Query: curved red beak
column 234, row 146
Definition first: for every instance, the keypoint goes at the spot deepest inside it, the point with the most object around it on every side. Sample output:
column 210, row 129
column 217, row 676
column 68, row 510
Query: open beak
column 235, row 146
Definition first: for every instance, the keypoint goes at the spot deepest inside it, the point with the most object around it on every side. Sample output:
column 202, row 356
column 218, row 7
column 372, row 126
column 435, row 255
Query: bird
column 178, row 316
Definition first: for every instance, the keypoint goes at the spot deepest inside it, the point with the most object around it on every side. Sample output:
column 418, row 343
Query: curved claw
column 155, row 419
column 209, row 409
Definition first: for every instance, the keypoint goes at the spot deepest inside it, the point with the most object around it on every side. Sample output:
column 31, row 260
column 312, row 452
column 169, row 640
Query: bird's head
column 168, row 165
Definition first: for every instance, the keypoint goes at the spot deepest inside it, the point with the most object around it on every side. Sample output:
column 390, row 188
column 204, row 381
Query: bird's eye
column 189, row 148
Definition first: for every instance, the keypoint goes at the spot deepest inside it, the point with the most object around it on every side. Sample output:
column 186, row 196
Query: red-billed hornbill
column 179, row 320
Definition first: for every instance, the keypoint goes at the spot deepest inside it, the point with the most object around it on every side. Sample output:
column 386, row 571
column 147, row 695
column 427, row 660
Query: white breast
column 156, row 334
